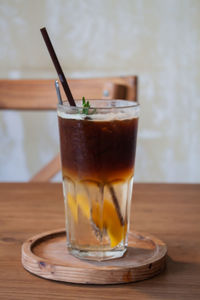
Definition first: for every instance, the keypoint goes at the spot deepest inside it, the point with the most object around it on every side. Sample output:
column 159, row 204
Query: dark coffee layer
column 98, row 150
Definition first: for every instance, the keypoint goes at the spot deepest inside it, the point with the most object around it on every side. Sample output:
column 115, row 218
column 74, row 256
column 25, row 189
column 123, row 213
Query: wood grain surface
column 169, row 211
column 46, row 255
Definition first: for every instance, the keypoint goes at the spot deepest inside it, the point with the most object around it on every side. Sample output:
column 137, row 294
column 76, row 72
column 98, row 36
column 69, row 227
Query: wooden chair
column 40, row 94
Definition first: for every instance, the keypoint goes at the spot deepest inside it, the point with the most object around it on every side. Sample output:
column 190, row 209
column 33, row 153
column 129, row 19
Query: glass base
column 97, row 255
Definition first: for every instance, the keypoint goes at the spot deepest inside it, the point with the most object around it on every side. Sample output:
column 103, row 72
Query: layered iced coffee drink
column 97, row 153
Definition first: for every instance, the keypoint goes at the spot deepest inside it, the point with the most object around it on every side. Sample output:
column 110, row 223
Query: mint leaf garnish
column 86, row 106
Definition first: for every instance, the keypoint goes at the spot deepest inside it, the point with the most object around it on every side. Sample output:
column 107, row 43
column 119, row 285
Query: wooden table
column 169, row 211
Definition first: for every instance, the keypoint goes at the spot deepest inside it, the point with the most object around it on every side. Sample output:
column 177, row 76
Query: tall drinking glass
column 98, row 147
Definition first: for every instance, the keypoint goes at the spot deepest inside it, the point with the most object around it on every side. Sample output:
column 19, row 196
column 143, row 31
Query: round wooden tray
column 46, row 255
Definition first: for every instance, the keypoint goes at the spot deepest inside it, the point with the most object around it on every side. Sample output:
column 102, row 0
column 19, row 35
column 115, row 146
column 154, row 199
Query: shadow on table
column 175, row 282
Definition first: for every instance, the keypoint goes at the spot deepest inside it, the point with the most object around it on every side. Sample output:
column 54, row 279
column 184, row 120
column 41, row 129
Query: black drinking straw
column 57, row 66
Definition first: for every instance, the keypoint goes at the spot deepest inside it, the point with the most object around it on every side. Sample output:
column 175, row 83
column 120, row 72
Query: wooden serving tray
column 46, row 255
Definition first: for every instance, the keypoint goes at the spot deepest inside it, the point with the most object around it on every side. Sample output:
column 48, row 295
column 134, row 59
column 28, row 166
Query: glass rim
column 129, row 104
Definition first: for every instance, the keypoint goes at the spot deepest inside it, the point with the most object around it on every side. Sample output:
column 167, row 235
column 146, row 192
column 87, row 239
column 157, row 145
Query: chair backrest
column 40, row 94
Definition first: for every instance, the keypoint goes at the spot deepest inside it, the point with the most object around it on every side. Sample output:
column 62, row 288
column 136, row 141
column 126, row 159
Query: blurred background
column 155, row 39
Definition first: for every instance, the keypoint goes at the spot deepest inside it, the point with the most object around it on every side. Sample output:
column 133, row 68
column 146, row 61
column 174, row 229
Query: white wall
column 157, row 40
